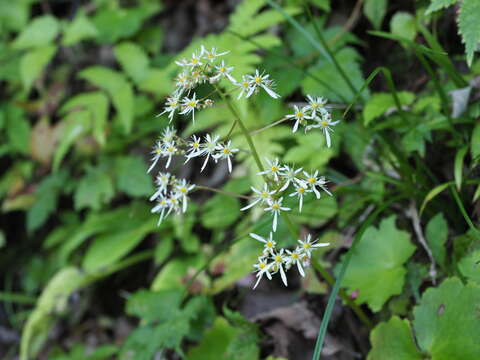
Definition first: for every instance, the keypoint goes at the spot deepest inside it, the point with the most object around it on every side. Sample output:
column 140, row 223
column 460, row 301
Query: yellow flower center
column 307, row 246
column 226, row 151
column 301, row 190
column 274, row 168
column 183, row 190
column 192, row 103
column 314, row 105
column 194, row 61
column 195, row 145
column 245, row 84
column 311, row 180
column 210, row 56
column 262, row 266
column 258, row 79
column 295, row 256
column 158, row 151
column 275, row 206
column 222, row 69
column 264, row 194
column 324, row 123
column 299, row 114
column 278, row 258
column 170, row 149
column 269, row 244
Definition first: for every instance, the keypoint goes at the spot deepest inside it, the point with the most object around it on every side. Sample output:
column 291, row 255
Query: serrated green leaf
column 446, row 322
column 403, row 24
column 376, row 269
column 46, row 201
column 436, row 234
column 41, row 31
column 79, row 29
column 97, row 104
column 220, row 211
column 469, row 266
column 379, row 103
column 133, row 60
column 393, row 340
column 117, row 87
column 94, row 190
column 469, row 27
column 439, row 4
column 77, row 124
column 375, row 11
column 33, row 63
column 132, row 177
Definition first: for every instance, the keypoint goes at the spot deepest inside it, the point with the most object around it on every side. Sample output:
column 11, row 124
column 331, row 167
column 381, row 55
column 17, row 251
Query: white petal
column 274, row 221
column 300, row 269
column 282, row 274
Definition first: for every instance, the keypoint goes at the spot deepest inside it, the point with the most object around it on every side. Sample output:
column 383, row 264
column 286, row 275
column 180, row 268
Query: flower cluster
column 280, row 178
column 314, row 115
column 203, row 67
column 274, row 261
column 170, row 144
column 171, row 195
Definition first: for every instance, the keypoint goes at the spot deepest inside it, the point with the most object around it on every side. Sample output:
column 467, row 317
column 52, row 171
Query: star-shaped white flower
column 273, row 169
column 261, row 196
column 307, row 245
column 276, row 207
column 300, row 116
column 313, row 180
column 261, row 81
column 225, row 151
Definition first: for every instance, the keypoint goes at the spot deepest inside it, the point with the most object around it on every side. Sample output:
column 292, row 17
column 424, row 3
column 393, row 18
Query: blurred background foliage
column 88, row 274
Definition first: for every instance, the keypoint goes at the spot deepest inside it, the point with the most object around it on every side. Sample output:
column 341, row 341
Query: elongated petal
column 282, row 274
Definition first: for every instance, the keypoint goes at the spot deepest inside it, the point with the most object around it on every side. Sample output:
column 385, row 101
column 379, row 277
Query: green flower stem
column 242, row 127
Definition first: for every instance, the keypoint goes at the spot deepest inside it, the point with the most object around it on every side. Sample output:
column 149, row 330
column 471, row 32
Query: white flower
column 169, row 134
column 316, row 104
column 295, row 258
column 262, row 268
column 225, row 151
column 169, row 149
column 269, row 244
column 194, row 148
column 157, row 153
column 182, row 188
column 289, row 174
column 273, row 169
column 313, row 181
column 300, row 190
column 223, row 71
column 209, row 148
column 172, row 104
column 262, row 196
column 212, row 54
column 307, row 246
column 162, row 181
column 160, row 208
column 196, row 60
column 244, row 86
column 275, row 207
column 189, row 105
column 300, row 116
column 325, row 123
column 182, row 81
column 182, row 62
column 261, row 80
column 278, row 260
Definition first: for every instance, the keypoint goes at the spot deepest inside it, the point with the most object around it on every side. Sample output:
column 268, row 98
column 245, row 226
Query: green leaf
column 33, row 63
column 54, row 300
column 41, row 31
column 439, row 4
column 18, row 129
column 437, row 235
column 112, row 246
column 77, row 124
column 375, row 11
column 14, row 15
column 403, row 24
column 2, row 239
column 469, row 266
column 393, row 340
column 133, row 60
column 220, row 211
column 117, row 87
column 322, row 4
column 214, row 345
column 79, row 29
column 376, row 269
column 163, row 250
column 458, row 166
column 47, row 195
column 475, row 144
column 315, row 212
column 94, row 190
column 97, row 105
column 469, row 27
column 144, row 305
column 311, row 152
column 446, row 322
column 433, row 193
column 132, row 177
column 348, row 59
column 174, row 274
column 380, row 103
